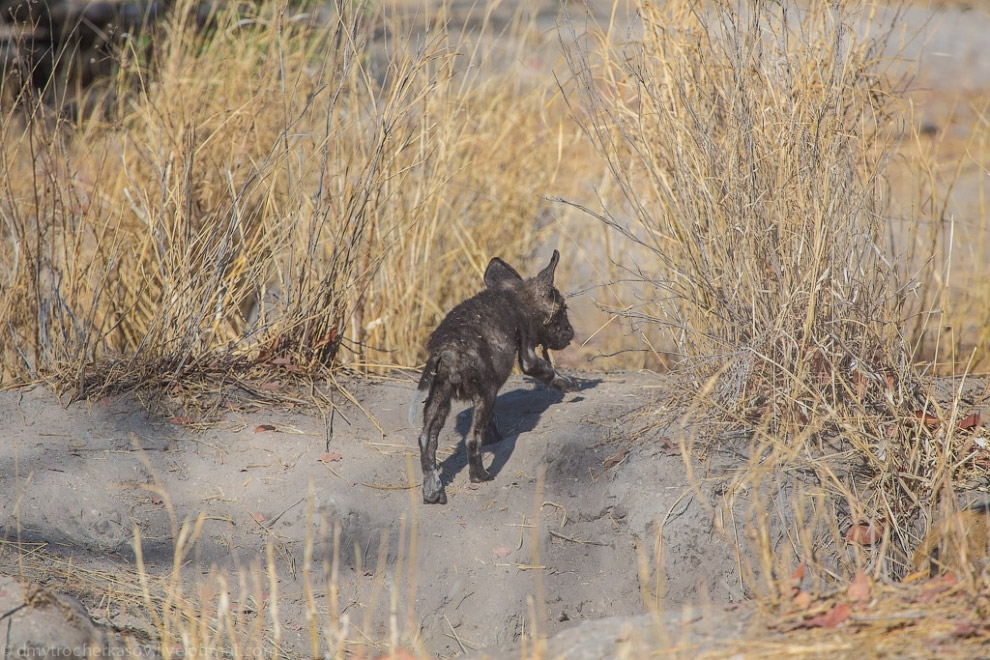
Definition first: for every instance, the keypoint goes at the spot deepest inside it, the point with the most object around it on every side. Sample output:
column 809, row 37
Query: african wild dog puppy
column 472, row 352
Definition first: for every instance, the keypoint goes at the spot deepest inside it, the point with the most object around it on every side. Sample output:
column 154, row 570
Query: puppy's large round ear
column 546, row 275
column 500, row 275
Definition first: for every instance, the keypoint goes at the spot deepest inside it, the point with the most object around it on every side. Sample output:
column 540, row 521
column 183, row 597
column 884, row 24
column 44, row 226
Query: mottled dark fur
column 472, row 352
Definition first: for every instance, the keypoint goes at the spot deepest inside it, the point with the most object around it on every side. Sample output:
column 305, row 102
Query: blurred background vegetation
column 766, row 198
column 193, row 189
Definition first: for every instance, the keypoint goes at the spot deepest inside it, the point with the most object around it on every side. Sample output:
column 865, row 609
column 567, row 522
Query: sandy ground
column 573, row 501
column 556, row 539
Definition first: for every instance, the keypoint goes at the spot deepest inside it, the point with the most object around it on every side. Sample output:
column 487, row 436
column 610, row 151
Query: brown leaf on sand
column 615, row 459
column 669, row 447
column 802, row 600
column 838, row 615
column 258, row 518
column 796, row 577
column 859, row 591
column 261, row 428
column 968, row 422
column 929, row 421
column 501, row 551
column 831, row 619
column 965, row 629
column 859, row 382
column 181, row 420
column 397, row 654
column 330, row 457
column 865, row 533
column 939, row 586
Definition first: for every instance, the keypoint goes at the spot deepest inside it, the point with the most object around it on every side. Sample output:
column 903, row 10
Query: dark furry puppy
column 472, row 352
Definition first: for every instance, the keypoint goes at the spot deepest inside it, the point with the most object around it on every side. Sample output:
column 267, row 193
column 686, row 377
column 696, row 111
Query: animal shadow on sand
column 517, row 411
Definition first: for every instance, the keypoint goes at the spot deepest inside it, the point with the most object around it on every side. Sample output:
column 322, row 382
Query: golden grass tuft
column 269, row 199
column 749, row 150
column 269, row 194
column 748, row 146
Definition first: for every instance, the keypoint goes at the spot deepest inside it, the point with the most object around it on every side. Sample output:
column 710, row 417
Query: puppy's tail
column 424, row 387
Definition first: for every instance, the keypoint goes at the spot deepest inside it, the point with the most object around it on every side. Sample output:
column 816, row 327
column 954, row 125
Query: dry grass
column 267, row 200
column 750, row 147
column 939, row 187
column 266, row 194
column 177, row 611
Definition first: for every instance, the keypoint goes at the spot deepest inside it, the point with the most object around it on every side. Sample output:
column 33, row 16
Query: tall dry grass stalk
column 749, row 145
column 279, row 191
column 942, row 234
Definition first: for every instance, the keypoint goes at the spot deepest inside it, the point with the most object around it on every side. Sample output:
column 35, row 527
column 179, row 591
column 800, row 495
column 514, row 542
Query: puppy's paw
column 439, row 497
column 478, row 477
column 433, row 492
column 565, row 383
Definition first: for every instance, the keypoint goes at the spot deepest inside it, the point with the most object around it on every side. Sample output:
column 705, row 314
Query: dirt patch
column 557, row 539
column 571, row 513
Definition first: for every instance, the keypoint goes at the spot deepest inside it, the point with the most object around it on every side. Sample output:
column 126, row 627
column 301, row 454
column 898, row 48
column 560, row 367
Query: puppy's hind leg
column 434, row 416
column 492, row 435
column 484, row 412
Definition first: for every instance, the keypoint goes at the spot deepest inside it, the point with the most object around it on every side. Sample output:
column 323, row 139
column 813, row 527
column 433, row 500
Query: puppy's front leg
column 535, row 366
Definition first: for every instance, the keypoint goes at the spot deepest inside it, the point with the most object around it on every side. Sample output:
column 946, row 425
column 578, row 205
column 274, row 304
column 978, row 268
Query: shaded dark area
column 52, row 50
column 517, row 411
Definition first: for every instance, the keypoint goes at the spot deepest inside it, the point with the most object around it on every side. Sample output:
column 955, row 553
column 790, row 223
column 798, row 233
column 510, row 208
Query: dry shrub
column 941, row 232
column 178, row 609
column 749, row 145
column 745, row 145
column 262, row 194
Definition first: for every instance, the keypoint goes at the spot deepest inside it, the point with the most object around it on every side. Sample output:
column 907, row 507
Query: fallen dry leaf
column 264, row 427
column 181, row 420
column 831, row 619
column 501, row 551
column 330, row 457
column 859, row 381
column 259, row 518
column 940, row 586
column 928, row 420
column 964, row 629
column 796, row 577
column 615, row 459
column 838, row 615
column 817, row 621
column 669, row 448
column 968, row 422
column 865, row 533
column 859, row 590
column 397, row 654
column 802, row 600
